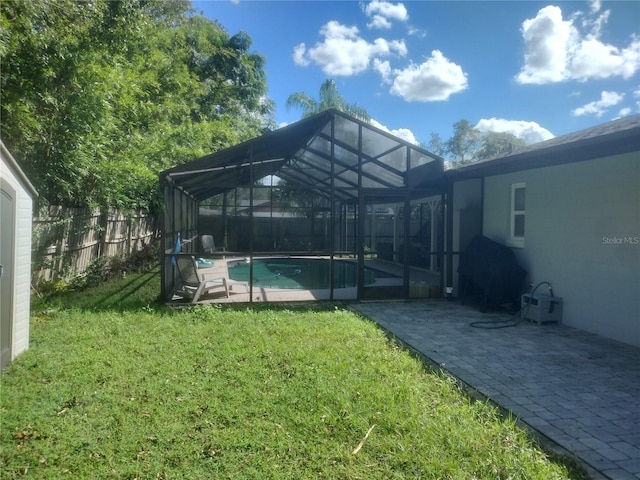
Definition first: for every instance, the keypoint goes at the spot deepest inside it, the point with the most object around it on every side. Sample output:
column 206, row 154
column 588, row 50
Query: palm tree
column 329, row 98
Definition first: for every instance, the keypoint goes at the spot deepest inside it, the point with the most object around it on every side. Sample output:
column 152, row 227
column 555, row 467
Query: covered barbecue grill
column 490, row 269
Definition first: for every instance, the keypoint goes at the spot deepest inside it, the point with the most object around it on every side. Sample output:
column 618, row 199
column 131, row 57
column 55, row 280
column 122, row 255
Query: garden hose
column 511, row 322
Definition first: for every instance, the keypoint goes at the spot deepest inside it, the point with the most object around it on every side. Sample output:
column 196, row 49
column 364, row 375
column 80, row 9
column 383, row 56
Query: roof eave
column 607, row 145
column 17, row 170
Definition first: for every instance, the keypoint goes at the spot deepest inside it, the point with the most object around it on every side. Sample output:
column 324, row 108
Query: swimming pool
column 301, row 273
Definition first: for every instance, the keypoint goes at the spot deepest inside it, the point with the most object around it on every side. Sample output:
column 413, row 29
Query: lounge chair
column 209, row 246
column 193, row 286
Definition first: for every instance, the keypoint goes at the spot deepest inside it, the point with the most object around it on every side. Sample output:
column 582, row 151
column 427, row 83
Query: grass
column 115, row 386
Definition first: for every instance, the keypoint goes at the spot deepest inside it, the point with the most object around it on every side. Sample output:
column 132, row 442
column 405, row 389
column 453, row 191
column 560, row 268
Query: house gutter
column 570, row 151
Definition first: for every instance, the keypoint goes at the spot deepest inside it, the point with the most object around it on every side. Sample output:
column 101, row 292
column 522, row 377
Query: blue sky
column 534, row 69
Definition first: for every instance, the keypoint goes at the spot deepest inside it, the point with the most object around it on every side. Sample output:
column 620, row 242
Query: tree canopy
column 468, row 144
column 98, row 97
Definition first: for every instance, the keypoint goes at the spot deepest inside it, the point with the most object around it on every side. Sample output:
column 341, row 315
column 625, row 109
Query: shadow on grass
column 135, row 291
column 142, row 291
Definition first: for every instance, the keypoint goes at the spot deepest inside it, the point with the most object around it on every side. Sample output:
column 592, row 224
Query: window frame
column 513, row 239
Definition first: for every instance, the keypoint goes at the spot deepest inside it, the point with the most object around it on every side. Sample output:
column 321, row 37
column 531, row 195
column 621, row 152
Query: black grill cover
column 493, row 269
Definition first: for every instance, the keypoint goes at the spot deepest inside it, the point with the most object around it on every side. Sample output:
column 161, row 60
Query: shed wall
column 582, row 232
column 22, row 259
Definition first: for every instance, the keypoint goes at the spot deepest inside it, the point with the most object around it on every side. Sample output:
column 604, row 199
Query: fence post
column 104, row 219
column 129, row 232
column 61, row 242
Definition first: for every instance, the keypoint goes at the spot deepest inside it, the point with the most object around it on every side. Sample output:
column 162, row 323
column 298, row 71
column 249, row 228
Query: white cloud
column 530, row 132
column 298, row 55
column 403, row 133
column 382, row 12
column 624, row 112
column 546, row 38
column 596, row 25
column 594, row 59
column 379, row 22
column 436, row 79
column 343, row 52
column 556, row 50
column 599, row 107
column 416, row 32
column 383, row 68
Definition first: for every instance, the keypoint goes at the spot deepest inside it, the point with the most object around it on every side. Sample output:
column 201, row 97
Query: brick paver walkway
column 580, row 390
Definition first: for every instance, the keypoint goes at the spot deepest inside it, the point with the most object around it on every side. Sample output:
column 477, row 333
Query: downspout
column 449, row 239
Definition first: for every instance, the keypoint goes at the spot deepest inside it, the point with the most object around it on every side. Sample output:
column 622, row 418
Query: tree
column 329, row 98
column 468, row 144
column 436, row 145
column 499, row 143
column 464, row 143
column 98, row 97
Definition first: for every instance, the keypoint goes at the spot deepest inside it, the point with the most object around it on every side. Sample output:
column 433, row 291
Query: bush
column 144, row 259
column 102, row 269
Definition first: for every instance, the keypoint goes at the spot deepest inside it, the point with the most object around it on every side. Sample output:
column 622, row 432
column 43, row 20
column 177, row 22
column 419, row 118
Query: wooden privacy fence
column 66, row 240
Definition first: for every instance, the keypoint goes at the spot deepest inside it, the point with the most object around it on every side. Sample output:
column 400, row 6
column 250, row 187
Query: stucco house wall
column 16, row 185
column 582, row 234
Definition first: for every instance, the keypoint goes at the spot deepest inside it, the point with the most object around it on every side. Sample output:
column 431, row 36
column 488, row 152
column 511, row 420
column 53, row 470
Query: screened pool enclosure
column 329, row 207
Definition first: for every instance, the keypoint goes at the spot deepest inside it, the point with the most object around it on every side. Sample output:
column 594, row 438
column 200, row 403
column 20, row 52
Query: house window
column 518, row 213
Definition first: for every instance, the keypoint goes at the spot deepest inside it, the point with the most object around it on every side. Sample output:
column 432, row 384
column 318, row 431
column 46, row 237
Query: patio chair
column 193, row 286
column 209, row 246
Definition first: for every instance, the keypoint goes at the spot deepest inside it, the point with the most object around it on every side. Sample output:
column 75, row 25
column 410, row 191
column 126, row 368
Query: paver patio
column 577, row 389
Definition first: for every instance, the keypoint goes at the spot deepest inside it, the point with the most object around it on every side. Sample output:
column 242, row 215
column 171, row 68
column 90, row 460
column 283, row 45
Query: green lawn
column 114, row 386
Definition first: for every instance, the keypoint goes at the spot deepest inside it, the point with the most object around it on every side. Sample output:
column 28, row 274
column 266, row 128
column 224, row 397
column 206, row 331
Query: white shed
column 16, row 214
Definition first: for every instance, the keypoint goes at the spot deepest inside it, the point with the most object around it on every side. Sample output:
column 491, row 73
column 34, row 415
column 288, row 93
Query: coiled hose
column 511, row 322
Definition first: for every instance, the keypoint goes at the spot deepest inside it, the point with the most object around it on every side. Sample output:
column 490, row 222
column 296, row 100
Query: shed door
column 7, row 226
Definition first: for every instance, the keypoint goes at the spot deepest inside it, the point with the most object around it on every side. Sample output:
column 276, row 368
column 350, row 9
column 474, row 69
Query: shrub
column 103, row 269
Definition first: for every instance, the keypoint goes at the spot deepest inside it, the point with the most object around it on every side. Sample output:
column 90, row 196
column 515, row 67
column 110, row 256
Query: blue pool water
column 301, row 273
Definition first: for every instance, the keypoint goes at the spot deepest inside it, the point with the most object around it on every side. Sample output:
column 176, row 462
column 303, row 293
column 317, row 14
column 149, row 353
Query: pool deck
column 577, row 390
